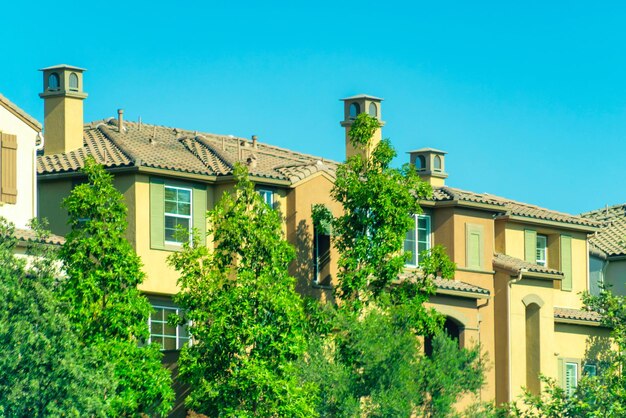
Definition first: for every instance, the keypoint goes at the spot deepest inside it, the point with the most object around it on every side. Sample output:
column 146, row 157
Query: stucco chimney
column 430, row 165
column 120, row 120
column 63, row 97
column 352, row 107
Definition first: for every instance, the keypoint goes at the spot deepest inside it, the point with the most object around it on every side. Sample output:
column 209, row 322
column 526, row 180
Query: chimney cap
column 362, row 96
column 432, row 150
column 63, row 67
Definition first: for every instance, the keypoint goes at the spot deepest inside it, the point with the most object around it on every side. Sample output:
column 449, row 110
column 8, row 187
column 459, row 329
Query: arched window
column 437, row 163
column 355, row 109
column 53, row 81
column 420, row 163
column 533, row 350
column 373, row 110
column 73, row 82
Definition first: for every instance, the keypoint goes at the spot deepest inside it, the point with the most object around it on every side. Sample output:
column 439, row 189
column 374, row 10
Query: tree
column 44, row 369
column 364, row 358
column 107, row 310
column 602, row 395
column 244, row 315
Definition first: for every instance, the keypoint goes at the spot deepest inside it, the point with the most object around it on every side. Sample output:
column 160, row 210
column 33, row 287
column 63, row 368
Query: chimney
column 254, row 139
column 120, row 120
column 352, row 107
column 63, row 108
column 430, row 165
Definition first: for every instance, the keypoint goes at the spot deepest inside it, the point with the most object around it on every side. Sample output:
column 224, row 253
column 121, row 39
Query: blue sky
column 528, row 98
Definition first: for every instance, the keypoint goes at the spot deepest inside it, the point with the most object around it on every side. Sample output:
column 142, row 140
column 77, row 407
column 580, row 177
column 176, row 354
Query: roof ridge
column 122, row 149
column 604, row 209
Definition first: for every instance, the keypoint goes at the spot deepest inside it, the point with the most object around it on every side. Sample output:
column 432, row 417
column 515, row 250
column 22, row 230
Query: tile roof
column 447, row 284
column 577, row 315
column 611, row 238
column 508, row 206
column 184, row 151
column 29, row 235
column 515, row 265
column 13, row 108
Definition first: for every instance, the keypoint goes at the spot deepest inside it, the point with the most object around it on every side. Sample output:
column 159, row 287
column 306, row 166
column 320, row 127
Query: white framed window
column 590, row 369
column 169, row 337
column 177, row 213
column 268, row 196
column 542, row 250
column 417, row 239
column 571, row 377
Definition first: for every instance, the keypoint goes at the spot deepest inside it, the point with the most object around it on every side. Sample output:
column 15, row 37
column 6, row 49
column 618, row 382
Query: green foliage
column 322, row 218
column 44, row 369
column 379, row 202
column 107, row 310
column 245, row 317
column 364, row 358
column 447, row 374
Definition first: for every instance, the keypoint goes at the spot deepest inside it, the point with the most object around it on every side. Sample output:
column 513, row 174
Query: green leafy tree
column 107, row 310
column 364, row 358
column 245, row 317
column 44, row 369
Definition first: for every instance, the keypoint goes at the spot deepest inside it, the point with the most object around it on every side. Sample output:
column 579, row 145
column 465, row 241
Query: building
column 20, row 138
column 520, row 267
column 520, row 271
column 607, row 249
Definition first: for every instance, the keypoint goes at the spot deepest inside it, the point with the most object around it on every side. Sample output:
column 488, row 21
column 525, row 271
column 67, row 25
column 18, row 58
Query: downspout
column 519, row 277
column 36, row 149
column 479, row 324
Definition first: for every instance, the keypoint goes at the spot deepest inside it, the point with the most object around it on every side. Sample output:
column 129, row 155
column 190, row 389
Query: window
column 373, row 111
column 186, row 205
column 571, row 377
column 321, row 257
column 417, row 239
column 590, row 369
column 437, row 163
column 177, row 214
column 267, row 196
column 420, row 163
column 542, row 250
column 73, row 82
column 355, row 109
column 53, row 82
column 169, row 337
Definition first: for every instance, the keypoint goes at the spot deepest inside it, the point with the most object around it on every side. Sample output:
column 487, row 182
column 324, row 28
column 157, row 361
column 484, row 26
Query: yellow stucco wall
column 63, row 122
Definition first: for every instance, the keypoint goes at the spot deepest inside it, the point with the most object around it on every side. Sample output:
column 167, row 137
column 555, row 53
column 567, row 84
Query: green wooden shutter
column 474, row 246
column 157, row 214
column 530, row 246
column 199, row 211
column 566, row 262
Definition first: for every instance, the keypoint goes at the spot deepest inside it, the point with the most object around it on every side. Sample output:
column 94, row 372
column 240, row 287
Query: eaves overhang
column 545, row 222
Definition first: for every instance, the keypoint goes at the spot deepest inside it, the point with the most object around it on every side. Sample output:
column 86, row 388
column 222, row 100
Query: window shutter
column 9, row 168
column 474, row 246
column 566, row 262
column 530, row 246
column 157, row 214
column 561, row 372
column 199, row 211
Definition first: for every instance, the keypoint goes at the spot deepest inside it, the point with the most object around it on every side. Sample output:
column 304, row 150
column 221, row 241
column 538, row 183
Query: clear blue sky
column 528, row 98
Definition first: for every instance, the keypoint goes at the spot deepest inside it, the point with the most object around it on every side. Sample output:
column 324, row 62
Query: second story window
column 177, row 214
column 169, row 337
column 542, row 250
column 417, row 239
column 267, row 196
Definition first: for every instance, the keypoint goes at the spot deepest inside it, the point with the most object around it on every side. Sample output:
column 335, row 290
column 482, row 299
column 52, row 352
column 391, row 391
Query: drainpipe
column 519, row 277
column 36, row 149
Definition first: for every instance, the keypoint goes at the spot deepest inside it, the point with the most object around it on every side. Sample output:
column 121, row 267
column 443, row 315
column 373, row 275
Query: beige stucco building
column 520, row 267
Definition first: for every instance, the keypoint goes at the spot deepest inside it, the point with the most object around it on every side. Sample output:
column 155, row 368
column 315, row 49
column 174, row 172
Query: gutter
column 462, row 293
column 545, row 222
